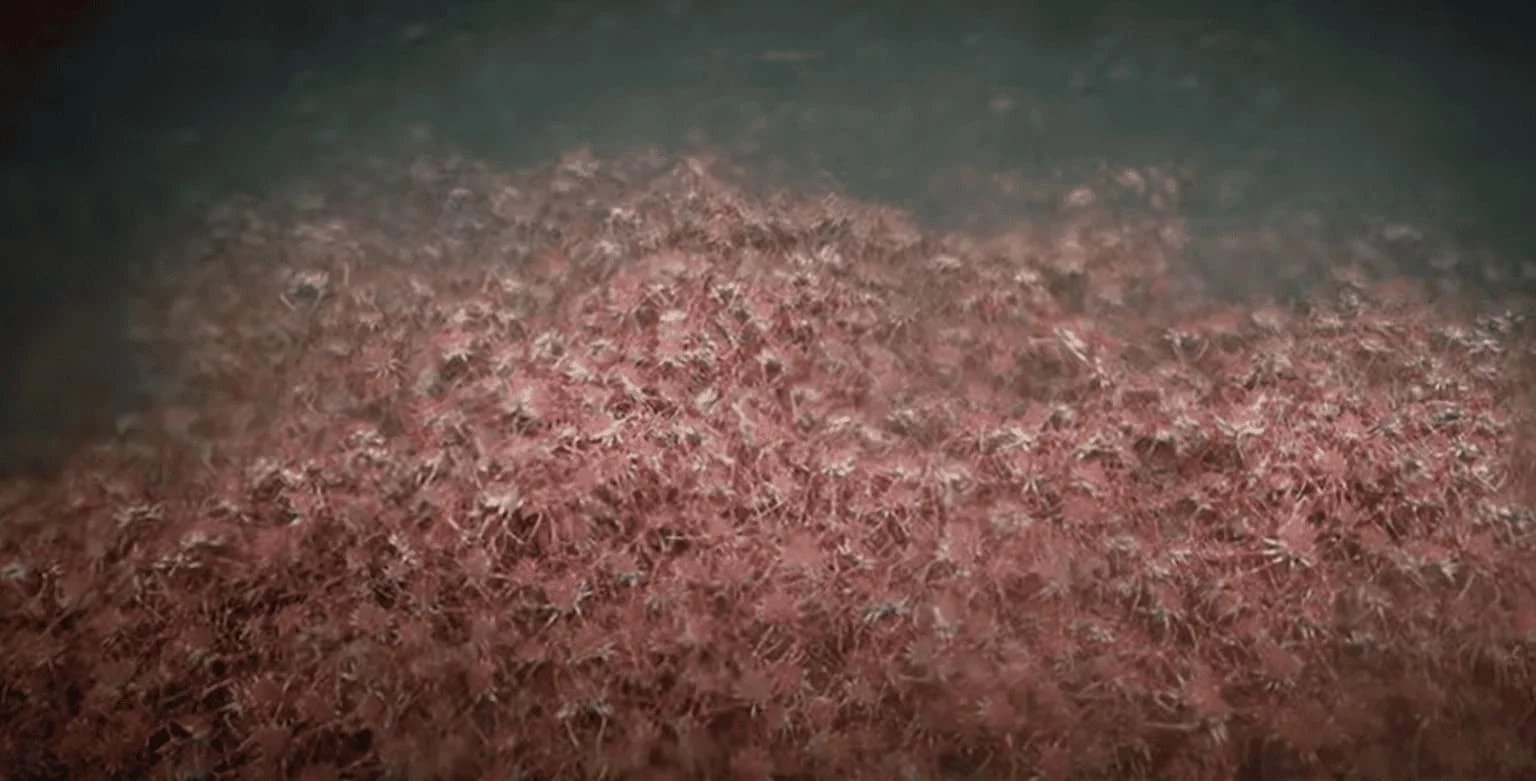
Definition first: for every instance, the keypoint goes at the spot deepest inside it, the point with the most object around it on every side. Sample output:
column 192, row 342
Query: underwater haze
column 156, row 111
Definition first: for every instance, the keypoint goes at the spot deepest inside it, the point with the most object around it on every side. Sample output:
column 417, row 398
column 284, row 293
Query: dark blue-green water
column 169, row 104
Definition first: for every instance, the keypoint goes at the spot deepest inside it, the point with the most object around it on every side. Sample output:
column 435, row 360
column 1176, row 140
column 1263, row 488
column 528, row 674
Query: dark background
column 124, row 121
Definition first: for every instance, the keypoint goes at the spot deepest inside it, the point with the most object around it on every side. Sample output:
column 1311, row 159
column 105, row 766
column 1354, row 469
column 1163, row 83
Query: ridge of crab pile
column 615, row 468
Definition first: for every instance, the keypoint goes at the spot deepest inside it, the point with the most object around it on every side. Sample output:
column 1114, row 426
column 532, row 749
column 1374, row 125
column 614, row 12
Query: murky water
column 181, row 107
column 1271, row 110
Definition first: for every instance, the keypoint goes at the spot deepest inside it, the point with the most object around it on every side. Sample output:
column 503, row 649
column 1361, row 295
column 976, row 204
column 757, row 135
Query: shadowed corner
column 66, row 373
column 70, row 374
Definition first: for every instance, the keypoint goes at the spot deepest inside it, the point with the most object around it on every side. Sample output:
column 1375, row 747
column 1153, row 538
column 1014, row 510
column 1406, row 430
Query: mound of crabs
column 618, row 469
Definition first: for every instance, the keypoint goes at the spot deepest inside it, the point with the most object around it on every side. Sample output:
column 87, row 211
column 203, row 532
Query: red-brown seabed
column 613, row 469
